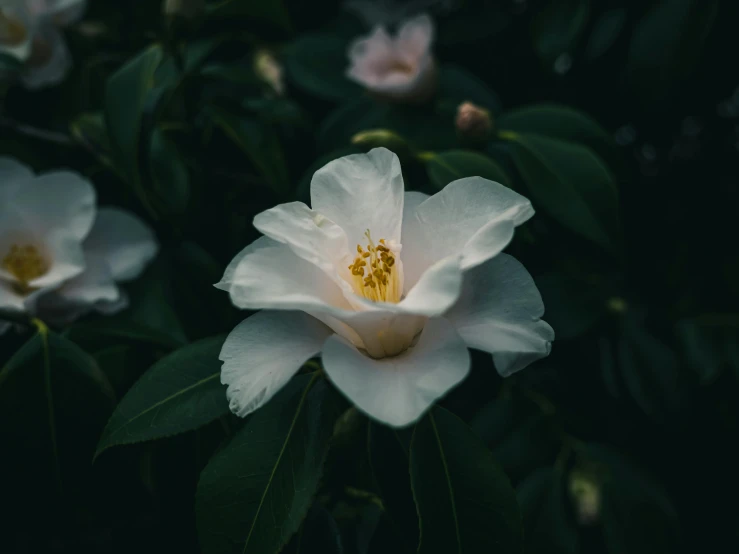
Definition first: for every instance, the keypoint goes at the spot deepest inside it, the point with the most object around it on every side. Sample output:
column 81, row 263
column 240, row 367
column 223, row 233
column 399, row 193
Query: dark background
column 647, row 356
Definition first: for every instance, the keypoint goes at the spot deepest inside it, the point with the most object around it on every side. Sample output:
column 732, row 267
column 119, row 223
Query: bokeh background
column 623, row 440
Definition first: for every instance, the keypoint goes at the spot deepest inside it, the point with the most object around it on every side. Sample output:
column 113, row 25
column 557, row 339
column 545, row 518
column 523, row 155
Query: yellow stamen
column 377, row 282
column 25, row 263
column 12, row 31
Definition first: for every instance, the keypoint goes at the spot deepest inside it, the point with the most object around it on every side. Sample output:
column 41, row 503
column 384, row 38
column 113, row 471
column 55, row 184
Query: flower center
column 374, row 274
column 12, row 31
column 399, row 66
column 25, row 263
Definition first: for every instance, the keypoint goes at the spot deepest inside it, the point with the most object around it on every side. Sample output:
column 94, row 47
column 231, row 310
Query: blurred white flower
column 60, row 257
column 391, row 287
column 400, row 68
column 29, row 31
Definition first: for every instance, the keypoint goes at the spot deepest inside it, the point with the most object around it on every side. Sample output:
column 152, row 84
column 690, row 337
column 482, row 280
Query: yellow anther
column 359, row 249
column 366, row 255
column 386, row 268
column 12, row 31
column 390, row 261
column 25, row 264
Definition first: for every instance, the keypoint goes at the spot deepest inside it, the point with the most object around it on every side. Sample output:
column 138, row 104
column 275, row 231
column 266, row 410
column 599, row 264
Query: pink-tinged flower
column 61, row 256
column 390, row 287
column 42, row 48
column 400, row 68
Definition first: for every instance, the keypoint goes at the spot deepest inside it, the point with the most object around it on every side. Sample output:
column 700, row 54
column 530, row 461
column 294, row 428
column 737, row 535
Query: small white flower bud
column 473, row 122
column 585, row 494
column 269, row 69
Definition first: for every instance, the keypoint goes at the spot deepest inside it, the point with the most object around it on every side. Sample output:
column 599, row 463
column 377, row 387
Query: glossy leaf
column 637, row 515
column 606, row 30
column 465, row 501
column 272, row 13
column 558, row 122
column 318, row 63
column 457, row 85
column 389, row 457
column 710, row 344
column 445, row 167
column 258, row 142
column 546, row 513
column 127, row 94
column 179, row 393
column 572, row 185
column 255, row 492
column 53, row 403
column 667, row 43
column 169, row 189
column 557, row 28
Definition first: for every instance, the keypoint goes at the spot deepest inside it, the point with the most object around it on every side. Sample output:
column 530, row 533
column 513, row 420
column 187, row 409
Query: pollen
column 373, row 273
column 25, row 263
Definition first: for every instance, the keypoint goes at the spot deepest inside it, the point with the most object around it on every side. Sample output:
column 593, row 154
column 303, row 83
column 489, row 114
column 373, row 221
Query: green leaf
column 710, row 343
column 445, row 167
column 254, row 493
column 544, row 505
column 666, row 44
column 572, row 185
column 457, row 85
column 559, row 122
column 10, row 67
column 637, row 515
column 649, row 367
column 128, row 95
column 606, row 31
column 465, row 501
column 389, row 457
column 273, row 13
column 573, row 306
column 317, row 64
column 557, row 28
column 54, row 400
column 170, row 180
column 259, row 143
column 358, row 114
column 89, row 130
column 179, row 393
column 319, row 533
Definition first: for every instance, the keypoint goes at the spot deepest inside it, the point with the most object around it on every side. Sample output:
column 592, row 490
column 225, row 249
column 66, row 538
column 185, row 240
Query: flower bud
column 584, row 491
column 375, row 138
column 269, row 70
column 188, row 9
column 473, row 123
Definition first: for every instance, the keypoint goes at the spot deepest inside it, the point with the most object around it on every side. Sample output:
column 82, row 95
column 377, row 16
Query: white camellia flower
column 390, row 287
column 60, row 257
column 400, row 68
column 29, row 31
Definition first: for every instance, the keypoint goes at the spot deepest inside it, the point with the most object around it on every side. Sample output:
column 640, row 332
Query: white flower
column 391, row 287
column 400, row 68
column 29, row 31
column 60, row 257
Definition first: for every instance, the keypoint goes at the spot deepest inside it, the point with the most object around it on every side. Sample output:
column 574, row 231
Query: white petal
column 64, row 12
column 415, row 37
column 9, row 300
column 125, row 242
column 94, row 284
column 20, row 12
column 415, row 255
column 398, row 390
column 437, row 290
column 360, row 192
column 267, row 274
column 263, row 352
column 308, row 233
column 12, row 173
column 53, row 70
column 473, row 217
column 67, row 260
column 499, row 312
column 58, row 202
